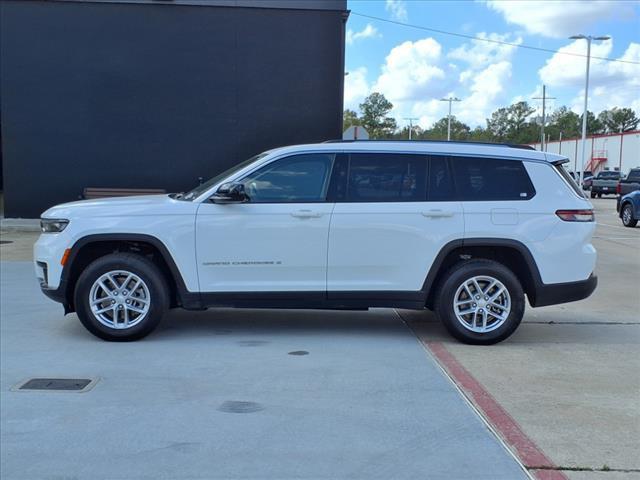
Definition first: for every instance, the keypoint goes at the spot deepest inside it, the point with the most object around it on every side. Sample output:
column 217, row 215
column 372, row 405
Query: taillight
column 576, row 215
column 618, row 188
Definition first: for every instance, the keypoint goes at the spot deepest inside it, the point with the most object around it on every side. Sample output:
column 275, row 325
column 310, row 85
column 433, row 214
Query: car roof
column 428, row 147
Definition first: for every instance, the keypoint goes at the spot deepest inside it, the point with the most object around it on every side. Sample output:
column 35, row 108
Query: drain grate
column 57, row 384
column 4, row 242
column 299, row 352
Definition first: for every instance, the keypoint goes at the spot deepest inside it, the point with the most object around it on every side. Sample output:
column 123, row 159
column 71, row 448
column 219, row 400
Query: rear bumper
column 555, row 293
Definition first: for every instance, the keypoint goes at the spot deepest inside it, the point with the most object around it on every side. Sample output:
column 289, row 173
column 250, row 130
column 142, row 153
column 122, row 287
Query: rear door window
column 386, row 177
column 440, row 188
column 634, row 176
column 479, row 179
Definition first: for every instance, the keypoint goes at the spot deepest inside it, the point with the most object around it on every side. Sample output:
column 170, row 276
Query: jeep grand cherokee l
column 464, row 229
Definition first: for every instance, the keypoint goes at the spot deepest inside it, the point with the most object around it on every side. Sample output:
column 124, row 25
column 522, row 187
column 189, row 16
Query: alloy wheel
column 119, row 299
column 482, row 304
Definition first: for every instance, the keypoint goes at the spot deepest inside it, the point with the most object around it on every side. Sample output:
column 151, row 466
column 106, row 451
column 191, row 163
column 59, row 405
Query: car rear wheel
column 121, row 297
column 593, row 195
column 627, row 216
column 480, row 302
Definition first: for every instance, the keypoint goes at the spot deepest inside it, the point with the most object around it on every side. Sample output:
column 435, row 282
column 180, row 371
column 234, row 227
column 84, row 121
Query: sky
column 415, row 68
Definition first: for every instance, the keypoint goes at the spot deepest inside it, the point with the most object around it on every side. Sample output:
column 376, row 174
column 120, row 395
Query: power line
column 489, row 40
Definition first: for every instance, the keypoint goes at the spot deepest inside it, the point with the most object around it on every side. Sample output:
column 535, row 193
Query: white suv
column 463, row 229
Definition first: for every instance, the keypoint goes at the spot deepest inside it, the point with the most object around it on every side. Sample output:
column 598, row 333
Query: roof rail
column 510, row 145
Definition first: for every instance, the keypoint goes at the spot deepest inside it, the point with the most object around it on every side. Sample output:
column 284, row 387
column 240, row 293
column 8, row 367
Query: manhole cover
column 234, row 406
column 299, row 352
column 57, row 384
column 4, row 242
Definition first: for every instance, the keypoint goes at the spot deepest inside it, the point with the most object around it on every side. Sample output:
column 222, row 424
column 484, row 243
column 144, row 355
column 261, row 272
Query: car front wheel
column 627, row 216
column 121, row 297
column 480, row 302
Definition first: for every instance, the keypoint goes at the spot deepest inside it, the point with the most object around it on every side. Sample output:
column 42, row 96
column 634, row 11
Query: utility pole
column 544, row 99
column 588, row 38
column 450, row 99
column 411, row 119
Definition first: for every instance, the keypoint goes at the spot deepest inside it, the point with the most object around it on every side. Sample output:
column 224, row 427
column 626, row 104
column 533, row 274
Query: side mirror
column 230, row 193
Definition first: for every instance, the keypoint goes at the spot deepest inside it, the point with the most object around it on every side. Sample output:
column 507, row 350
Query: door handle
column 306, row 214
column 437, row 213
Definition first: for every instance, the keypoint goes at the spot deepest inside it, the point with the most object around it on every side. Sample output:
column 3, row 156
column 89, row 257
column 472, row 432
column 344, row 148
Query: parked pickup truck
column 627, row 185
column 604, row 183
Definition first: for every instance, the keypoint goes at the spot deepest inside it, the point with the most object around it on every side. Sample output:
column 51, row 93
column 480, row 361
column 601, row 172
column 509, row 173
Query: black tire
column 599, row 195
column 593, row 195
column 626, row 214
column 462, row 272
column 145, row 270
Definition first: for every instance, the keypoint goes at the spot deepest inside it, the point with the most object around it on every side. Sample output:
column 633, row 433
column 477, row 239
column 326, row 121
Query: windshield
column 613, row 175
column 200, row 189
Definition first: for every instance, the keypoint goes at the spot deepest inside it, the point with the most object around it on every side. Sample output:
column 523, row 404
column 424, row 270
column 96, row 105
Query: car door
column 385, row 231
column 276, row 241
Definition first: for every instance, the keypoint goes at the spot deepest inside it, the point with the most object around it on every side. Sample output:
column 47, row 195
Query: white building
column 617, row 151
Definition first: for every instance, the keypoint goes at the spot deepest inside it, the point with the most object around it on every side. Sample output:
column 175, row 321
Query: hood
column 121, row 207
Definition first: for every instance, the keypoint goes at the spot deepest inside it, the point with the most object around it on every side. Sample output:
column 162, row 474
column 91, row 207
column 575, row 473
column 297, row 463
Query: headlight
column 53, row 225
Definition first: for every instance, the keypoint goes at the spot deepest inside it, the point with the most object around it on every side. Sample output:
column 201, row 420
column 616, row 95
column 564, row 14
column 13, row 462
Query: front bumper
column 555, row 293
column 57, row 295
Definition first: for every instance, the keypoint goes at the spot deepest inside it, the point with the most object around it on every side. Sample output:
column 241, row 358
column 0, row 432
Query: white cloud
column 397, row 9
column 411, row 71
column 369, row 31
column 416, row 75
column 356, row 88
column 487, row 74
column 486, row 93
column 560, row 19
column 480, row 53
column 611, row 83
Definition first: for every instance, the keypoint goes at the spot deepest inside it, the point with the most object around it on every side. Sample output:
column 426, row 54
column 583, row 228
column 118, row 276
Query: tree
column 459, row 130
column 618, row 120
column 375, row 119
column 565, row 121
column 509, row 124
column 594, row 125
column 403, row 133
column 349, row 118
column 480, row 134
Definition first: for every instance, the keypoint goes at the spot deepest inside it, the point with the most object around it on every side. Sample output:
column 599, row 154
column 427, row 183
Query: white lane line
column 616, row 238
column 611, row 226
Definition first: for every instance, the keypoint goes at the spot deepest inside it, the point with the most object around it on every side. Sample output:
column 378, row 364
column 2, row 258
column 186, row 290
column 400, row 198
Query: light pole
column 450, row 99
column 588, row 38
column 411, row 119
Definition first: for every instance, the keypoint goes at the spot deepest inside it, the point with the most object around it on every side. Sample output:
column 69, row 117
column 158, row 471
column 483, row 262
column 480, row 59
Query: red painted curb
column 527, row 451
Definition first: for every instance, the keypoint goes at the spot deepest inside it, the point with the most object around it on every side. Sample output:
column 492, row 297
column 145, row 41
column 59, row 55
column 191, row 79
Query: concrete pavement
column 570, row 375
column 365, row 402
